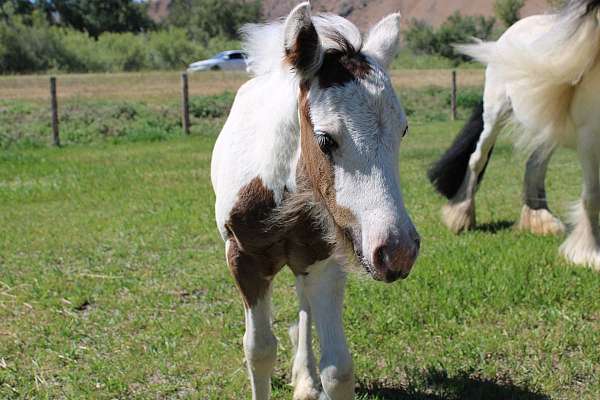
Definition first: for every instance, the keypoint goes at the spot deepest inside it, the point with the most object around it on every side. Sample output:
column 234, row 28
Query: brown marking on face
column 263, row 237
column 342, row 66
column 302, row 53
column 318, row 166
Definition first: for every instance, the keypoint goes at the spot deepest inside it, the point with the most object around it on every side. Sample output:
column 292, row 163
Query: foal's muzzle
column 395, row 258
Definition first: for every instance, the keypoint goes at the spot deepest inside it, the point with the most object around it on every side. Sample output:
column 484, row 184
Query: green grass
column 26, row 124
column 113, row 284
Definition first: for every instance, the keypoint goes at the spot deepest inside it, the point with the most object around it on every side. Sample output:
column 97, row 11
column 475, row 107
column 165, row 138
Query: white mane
column 263, row 43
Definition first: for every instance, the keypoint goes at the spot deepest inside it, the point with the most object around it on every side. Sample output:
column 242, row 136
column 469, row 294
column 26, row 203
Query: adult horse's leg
column 260, row 344
column 536, row 217
column 304, row 371
column 459, row 213
column 583, row 244
column 324, row 289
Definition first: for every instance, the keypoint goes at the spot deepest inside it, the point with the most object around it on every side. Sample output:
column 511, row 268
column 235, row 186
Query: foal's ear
column 301, row 41
column 383, row 40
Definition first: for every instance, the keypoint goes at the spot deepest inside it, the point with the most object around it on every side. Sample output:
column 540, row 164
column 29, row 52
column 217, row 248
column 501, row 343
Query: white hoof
column 540, row 222
column 304, row 380
column 306, row 390
column 459, row 217
column 581, row 250
column 582, row 245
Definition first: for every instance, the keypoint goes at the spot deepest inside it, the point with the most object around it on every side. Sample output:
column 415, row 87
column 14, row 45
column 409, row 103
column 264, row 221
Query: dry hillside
column 364, row 13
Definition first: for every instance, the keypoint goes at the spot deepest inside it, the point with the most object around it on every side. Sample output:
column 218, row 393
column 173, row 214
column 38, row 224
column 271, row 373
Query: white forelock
column 264, row 43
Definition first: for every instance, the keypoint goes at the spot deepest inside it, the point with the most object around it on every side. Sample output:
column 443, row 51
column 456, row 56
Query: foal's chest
column 259, row 231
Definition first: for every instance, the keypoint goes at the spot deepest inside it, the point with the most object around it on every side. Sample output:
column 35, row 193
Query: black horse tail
column 448, row 173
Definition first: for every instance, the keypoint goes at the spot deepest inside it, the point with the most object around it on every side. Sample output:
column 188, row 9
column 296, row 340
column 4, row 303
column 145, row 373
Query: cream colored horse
column 543, row 75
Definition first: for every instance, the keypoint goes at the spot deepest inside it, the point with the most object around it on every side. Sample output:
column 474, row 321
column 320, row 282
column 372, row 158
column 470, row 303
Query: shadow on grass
column 495, row 227
column 443, row 387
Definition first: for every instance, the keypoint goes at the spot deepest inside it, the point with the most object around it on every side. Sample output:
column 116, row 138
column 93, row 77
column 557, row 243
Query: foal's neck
column 279, row 131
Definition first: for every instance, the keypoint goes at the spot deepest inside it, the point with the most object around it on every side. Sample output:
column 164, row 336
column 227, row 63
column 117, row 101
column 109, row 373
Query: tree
column 508, row 11
column 422, row 38
column 98, row 16
column 8, row 8
column 206, row 19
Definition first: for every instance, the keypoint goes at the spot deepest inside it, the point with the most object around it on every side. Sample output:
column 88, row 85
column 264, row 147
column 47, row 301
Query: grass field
column 116, row 108
column 159, row 87
column 113, row 283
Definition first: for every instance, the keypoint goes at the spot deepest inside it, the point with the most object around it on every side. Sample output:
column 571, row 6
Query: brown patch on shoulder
column 318, row 167
column 341, row 67
column 263, row 237
column 255, row 204
column 251, row 257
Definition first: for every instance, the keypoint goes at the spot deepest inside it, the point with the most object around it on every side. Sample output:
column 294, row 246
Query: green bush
column 468, row 98
column 421, row 38
column 26, row 48
column 509, row 11
column 39, row 47
column 122, row 51
column 432, row 103
column 206, row 19
column 79, row 53
column 26, row 124
column 212, row 106
column 171, row 49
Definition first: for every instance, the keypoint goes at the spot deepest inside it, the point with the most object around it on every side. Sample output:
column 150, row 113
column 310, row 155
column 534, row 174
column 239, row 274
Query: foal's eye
column 325, row 142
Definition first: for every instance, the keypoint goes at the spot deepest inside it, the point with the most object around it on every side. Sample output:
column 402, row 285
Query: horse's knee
column 261, row 352
column 337, row 378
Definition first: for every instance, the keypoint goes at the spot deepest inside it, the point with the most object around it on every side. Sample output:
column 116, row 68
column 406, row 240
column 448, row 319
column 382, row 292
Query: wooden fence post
column 185, row 104
column 453, row 98
column 54, row 106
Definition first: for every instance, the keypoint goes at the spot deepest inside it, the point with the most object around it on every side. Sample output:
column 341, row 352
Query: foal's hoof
column 459, row 217
column 540, row 222
column 304, row 376
column 307, row 392
column 305, row 384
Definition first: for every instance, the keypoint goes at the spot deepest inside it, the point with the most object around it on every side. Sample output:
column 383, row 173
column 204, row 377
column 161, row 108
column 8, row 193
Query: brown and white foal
column 305, row 173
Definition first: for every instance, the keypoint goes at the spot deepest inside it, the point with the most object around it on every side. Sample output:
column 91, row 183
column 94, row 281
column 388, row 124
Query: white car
column 232, row 60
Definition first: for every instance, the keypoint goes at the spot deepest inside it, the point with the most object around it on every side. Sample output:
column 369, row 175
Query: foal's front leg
column 260, row 347
column 324, row 289
column 304, row 371
column 260, row 344
column 536, row 217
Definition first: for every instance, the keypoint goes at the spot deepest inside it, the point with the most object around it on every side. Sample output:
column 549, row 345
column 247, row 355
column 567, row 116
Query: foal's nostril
column 381, row 258
column 397, row 259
